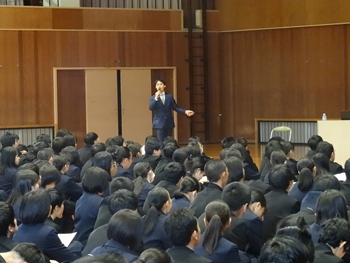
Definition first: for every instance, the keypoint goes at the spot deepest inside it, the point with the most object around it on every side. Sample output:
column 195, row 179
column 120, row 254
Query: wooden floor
column 256, row 151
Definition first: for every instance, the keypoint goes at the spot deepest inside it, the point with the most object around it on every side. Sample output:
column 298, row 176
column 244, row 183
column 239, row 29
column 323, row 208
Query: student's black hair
column 284, row 249
column 91, row 259
column 223, row 153
column 121, row 183
column 334, row 231
column 117, row 140
column 24, row 180
column 7, row 217
column 305, row 163
column 217, row 214
column 151, row 146
column 180, row 226
column 103, row 160
column 243, row 141
column 121, row 153
column 240, row 148
column 306, row 180
column 49, row 174
column 235, row 195
column 57, row 145
column 8, row 158
column 287, row 147
column 22, row 147
column 280, row 177
column 125, row 227
column 326, row 148
column 321, row 162
column 8, row 139
column 57, row 198
column 62, row 133
column 70, row 140
column 30, row 252
column 180, row 155
column 232, row 153
column 192, row 164
column 154, row 255
column 59, row 162
column 235, row 169
column 213, row 170
column 43, row 138
column 188, row 184
column 170, row 139
column 313, row 141
column 38, row 146
column 193, row 150
column 154, row 203
column 330, row 204
column 90, row 138
column 272, row 146
column 276, row 139
column 71, row 153
column 95, row 180
column 135, row 148
column 174, row 172
column 141, row 171
column 278, row 157
column 112, row 257
column 227, row 142
column 45, row 154
column 122, row 199
column 28, row 157
column 325, row 182
column 97, row 147
column 257, row 196
column 35, row 207
column 30, row 166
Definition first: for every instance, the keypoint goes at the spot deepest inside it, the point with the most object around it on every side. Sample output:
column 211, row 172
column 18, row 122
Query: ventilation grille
column 27, row 136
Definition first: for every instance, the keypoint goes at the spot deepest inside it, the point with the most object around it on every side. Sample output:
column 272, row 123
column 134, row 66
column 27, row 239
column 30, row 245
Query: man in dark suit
column 183, row 231
column 217, row 174
column 161, row 104
column 279, row 203
column 333, row 241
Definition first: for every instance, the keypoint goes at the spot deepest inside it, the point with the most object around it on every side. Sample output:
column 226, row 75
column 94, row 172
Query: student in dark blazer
column 174, row 173
column 161, row 105
column 327, row 149
column 8, row 227
column 217, row 174
column 8, row 168
column 123, row 157
column 34, row 209
column 85, row 152
column 212, row 245
column 279, row 204
column 333, row 242
column 185, row 195
column 182, row 229
column 167, row 157
column 152, row 153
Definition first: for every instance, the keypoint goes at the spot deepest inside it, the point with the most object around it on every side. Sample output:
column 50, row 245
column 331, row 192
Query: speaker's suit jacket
column 163, row 117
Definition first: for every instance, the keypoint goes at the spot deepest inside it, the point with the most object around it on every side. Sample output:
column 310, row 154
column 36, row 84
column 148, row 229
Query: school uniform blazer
column 254, row 228
column 171, row 187
column 296, row 193
column 182, row 254
column 122, row 172
column 6, row 244
column 225, row 251
column 7, row 179
column 46, row 238
column 210, row 193
column 323, row 254
column 180, row 203
column 143, row 194
column 162, row 113
column 71, row 190
column 114, row 246
column 97, row 238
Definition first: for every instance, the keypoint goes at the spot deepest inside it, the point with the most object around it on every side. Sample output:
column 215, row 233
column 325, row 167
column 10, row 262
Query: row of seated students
column 118, row 200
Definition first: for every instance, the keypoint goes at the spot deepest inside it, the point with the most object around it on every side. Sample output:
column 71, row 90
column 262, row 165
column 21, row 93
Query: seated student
column 327, row 149
column 50, row 176
column 235, row 169
column 8, row 226
column 110, row 257
column 154, row 255
column 23, row 253
column 45, row 154
column 301, row 188
column 284, row 249
column 25, row 181
column 34, row 209
column 312, row 143
column 330, row 204
column 321, row 162
column 195, row 168
column 66, row 185
column 276, row 158
column 333, row 241
column 157, row 205
column 297, row 227
column 212, row 245
column 152, row 152
column 254, row 219
column 135, row 149
column 167, row 157
column 9, row 161
column 174, row 173
column 345, row 186
column 57, row 145
column 227, row 142
column 123, row 157
column 248, row 159
column 249, row 173
column 272, row 145
column 57, row 208
column 196, row 141
column 124, row 234
column 143, row 182
column 288, row 149
column 120, row 199
column 184, row 232
column 181, row 155
column 104, row 214
column 217, row 174
column 85, row 152
column 308, row 205
column 185, row 195
column 279, row 204
column 95, row 183
column 97, row 147
column 105, row 161
column 72, row 155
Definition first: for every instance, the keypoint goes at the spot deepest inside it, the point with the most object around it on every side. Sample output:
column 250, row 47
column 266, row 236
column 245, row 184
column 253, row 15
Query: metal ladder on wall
column 198, row 69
